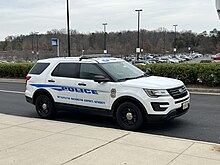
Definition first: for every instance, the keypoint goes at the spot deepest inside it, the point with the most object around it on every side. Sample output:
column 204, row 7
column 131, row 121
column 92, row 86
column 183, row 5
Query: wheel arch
column 123, row 99
column 41, row 92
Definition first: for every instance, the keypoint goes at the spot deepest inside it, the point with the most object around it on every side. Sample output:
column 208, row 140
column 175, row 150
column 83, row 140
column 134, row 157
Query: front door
column 91, row 93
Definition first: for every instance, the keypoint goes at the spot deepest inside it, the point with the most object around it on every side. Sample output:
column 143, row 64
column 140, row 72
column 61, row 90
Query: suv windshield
column 122, row 70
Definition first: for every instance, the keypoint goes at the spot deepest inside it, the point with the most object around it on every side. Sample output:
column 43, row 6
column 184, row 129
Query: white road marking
column 203, row 93
column 15, row 92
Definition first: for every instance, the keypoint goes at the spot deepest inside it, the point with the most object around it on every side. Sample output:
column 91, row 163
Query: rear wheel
column 45, row 107
column 129, row 116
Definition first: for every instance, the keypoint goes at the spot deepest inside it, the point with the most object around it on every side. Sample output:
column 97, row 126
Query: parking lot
column 178, row 58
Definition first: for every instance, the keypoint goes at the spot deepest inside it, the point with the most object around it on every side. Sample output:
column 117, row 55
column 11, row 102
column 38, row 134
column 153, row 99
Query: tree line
column 123, row 43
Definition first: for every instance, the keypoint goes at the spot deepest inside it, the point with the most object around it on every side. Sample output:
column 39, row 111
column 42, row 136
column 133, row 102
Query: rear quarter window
column 39, row 68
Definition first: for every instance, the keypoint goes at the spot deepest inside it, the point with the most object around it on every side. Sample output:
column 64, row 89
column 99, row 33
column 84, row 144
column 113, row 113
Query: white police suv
column 106, row 86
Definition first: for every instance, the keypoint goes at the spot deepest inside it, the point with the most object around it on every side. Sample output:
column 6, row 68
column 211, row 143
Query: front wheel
column 45, row 107
column 129, row 116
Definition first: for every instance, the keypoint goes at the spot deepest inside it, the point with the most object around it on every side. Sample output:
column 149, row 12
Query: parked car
column 216, row 57
column 180, row 59
column 174, row 60
column 187, row 58
column 103, row 85
column 212, row 56
column 163, row 60
column 206, row 61
column 140, row 62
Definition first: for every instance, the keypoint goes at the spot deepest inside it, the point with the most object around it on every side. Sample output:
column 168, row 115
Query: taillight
column 27, row 78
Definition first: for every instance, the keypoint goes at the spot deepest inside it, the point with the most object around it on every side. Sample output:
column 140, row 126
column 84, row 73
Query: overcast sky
column 26, row 16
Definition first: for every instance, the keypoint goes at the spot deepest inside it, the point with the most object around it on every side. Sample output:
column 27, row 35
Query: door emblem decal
column 113, row 93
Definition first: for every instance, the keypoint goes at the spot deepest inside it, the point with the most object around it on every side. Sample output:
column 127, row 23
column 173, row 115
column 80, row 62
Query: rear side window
column 39, row 68
column 70, row 70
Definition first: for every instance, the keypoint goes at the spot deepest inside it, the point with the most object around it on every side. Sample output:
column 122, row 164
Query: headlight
column 156, row 92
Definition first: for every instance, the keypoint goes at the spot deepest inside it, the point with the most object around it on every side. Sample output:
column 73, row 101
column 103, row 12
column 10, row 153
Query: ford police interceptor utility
column 105, row 86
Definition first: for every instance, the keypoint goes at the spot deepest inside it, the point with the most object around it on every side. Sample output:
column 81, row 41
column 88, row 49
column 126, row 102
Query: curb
column 204, row 91
column 11, row 80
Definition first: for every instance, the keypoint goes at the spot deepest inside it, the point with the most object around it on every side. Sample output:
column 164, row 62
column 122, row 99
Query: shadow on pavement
column 101, row 121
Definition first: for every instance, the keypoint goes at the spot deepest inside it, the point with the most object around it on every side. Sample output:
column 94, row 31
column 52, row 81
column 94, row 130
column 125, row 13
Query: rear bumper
column 29, row 99
column 171, row 115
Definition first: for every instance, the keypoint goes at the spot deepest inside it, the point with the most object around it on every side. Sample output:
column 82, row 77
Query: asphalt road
column 202, row 122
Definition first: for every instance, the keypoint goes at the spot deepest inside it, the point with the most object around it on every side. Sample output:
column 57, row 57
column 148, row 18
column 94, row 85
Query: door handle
column 51, row 80
column 81, row 84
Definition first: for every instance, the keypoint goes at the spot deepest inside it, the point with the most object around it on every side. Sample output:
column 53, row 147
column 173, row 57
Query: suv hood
column 153, row 82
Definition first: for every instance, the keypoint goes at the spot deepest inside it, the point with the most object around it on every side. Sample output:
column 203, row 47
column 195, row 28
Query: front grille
column 178, row 93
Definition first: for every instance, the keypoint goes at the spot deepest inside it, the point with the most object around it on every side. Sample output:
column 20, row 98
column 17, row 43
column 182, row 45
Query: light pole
column 217, row 4
column 142, row 42
column 138, row 36
column 189, row 48
column 37, row 52
column 105, row 48
column 83, row 46
column 164, row 42
column 174, row 49
column 32, row 38
column 68, row 28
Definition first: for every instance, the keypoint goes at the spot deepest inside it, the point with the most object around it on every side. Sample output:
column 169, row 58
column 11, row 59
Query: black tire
column 129, row 116
column 45, row 107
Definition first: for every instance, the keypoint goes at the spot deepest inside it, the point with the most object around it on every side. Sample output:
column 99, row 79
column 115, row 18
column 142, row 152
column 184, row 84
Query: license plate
column 185, row 105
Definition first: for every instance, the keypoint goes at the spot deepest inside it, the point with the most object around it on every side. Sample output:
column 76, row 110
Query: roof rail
column 93, row 56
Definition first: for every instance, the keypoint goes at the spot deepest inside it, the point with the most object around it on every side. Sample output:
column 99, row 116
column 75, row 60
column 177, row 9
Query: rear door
column 62, row 82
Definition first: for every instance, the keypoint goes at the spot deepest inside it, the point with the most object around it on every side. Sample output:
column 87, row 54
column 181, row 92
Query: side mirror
column 148, row 72
column 101, row 78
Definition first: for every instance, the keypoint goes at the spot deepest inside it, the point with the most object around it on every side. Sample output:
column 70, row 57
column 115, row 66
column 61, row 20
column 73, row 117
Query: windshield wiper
column 130, row 78
column 141, row 76
column 124, row 79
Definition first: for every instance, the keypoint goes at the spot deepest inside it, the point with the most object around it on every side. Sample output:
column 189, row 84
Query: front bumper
column 165, row 108
column 171, row 115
